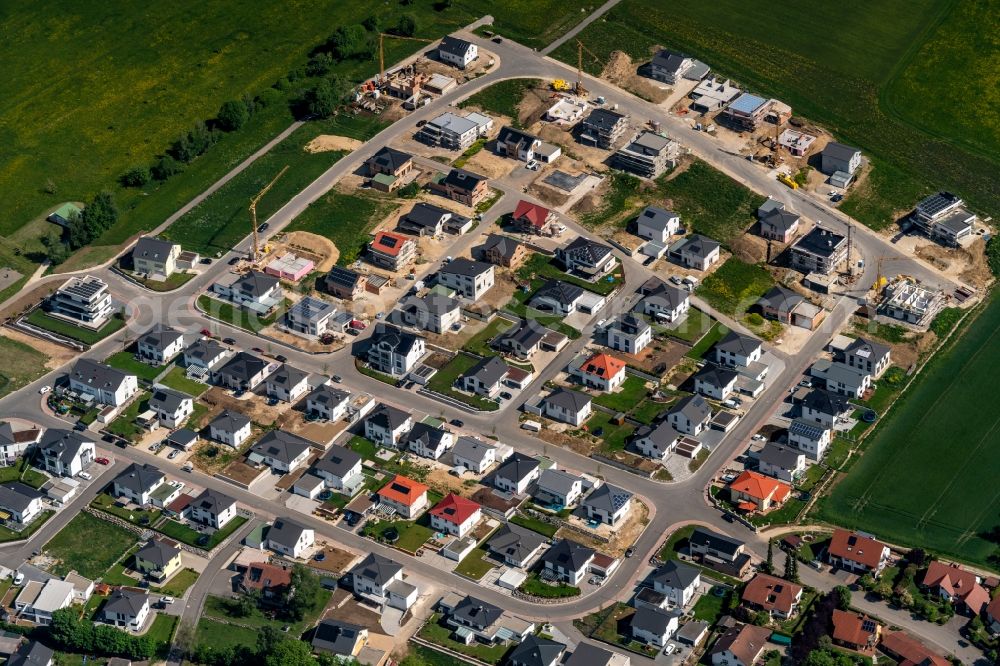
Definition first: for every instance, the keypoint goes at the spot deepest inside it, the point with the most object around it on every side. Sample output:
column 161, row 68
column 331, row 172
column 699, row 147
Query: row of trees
column 97, row 217
column 73, row 634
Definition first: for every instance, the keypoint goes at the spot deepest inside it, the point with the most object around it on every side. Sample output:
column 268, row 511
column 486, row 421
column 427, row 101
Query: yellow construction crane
column 381, row 50
column 580, row 48
column 253, row 215
column 881, row 282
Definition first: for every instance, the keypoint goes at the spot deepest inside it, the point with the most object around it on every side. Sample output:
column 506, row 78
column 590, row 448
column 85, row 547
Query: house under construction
column 910, row 302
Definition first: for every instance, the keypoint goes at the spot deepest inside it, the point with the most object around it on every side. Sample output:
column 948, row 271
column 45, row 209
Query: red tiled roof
column 746, row 642
column 403, row 490
column 771, row 593
column 957, row 582
column 850, row 628
column 266, row 576
column 910, row 651
column 535, row 214
column 182, row 502
column 856, row 547
column 760, row 487
column 603, row 365
column 455, row 509
column 389, row 243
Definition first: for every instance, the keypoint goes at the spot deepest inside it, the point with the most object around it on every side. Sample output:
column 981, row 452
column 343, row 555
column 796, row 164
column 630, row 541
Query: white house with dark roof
column 212, row 508
column 517, row 546
column 468, row 277
column 160, row 344
column 327, row 402
column 22, row 502
column 230, row 428
column 695, row 251
column 558, row 487
column 629, row 333
column 737, row 350
column 172, row 407
column 340, row 470
column 715, row 382
column 429, row 441
column 255, row 291
column 204, row 354
column 663, row 301
column 516, row 473
column 155, row 257
column 608, row 504
column 657, row 224
column 809, row 437
column 781, row 462
column 825, row 408
column 126, row 608
column 432, row 312
column 568, row 561
column 243, row 372
column 567, row 406
column 690, row 415
column 586, row 257
column 473, row 454
column 868, row 356
column 106, row 385
column 64, row 452
column 839, row 157
column 841, row 378
column 657, row 441
column 457, row 52
column 485, row 377
column 381, row 580
column 311, row 316
column 558, row 297
column 386, row 425
column 282, row 451
column 779, row 224
column 678, row 582
column 290, row 538
column 536, row 650
column 138, row 482
column 287, row 383
column 653, row 626
column 394, row 351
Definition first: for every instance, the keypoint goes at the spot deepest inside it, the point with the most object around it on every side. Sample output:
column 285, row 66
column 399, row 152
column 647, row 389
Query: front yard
column 144, row 517
column 126, row 362
column 22, row 471
column 444, row 380
column 475, row 565
column 537, row 587
column 435, row 631
column 402, row 534
column 543, row 266
column 125, row 426
column 613, row 436
column 192, row 537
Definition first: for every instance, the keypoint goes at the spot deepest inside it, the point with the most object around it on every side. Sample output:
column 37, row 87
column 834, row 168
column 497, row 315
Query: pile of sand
column 329, row 142
column 319, row 247
column 620, row 70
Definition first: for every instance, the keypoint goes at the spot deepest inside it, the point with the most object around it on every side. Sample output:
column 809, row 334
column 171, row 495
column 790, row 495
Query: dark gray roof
column 715, row 376
column 324, row 394
column 780, row 298
column 281, row 445
column 255, row 284
column 602, row 120
column 471, row 448
column 428, row 434
column 826, row 402
column 509, row 134
column 463, row 180
column 455, row 46
column 780, row 218
column 244, row 366
column 140, row 478
column 676, row 575
column 699, row 246
column 528, row 333
column 517, row 467
column 819, row 241
column 582, row 248
column 737, row 343
column 204, row 349
column 287, row 376
column 213, row 501
column 572, row 401
column 425, row 216
column 153, row 248
column 377, row 568
column 664, row 295
column 229, row 421
column 160, row 337
column 807, row 429
column 608, row 497
column 669, row 60
column 17, row 496
column 867, row 349
column 336, row 637
column 658, row 218
column 652, row 620
column 568, row 555
column 439, row 304
column 393, row 338
column 557, row 480
column 285, row 531
column 344, row 277
column 64, row 444
column 630, row 324
column 158, row 552
column 32, row 653
column 515, row 541
column 167, row 399
column 489, row 370
column 92, row 373
column 125, row 602
column 588, row 654
column 466, row 267
column 388, row 416
column 536, row 651
column 476, row 612
column 311, row 309
column 338, row 461
column 563, row 293
column 505, row 245
column 780, row 456
column 390, row 158
column 720, row 542
column 693, row 407
column 840, row 151
column 662, row 434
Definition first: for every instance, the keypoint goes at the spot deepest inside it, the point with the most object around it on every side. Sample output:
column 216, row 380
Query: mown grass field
column 735, row 286
column 19, row 365
column 885, row 72
column 928, row 475
column 346, row 219
column 88, row 545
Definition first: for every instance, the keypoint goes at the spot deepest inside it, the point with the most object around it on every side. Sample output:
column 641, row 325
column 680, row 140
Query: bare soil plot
column 621, row 71
column 58, row 355
column 657, row 358
column 330, row 142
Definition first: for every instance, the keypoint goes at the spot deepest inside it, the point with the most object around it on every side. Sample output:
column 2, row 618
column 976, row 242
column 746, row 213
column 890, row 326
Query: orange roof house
column 455, row 515
column 391, row 250
column 957, row 585
column 270, row 579
column 532, row 217
column 406, row 496
column 857, row 552
column 603, row 371
column 855, row 631
column 908, row 651
column 776, row 596
column 755, row 492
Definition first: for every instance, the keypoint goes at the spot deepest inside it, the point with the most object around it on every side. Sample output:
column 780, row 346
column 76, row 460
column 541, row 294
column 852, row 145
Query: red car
column 358, row 324
column 207, row 333
column 101, row 461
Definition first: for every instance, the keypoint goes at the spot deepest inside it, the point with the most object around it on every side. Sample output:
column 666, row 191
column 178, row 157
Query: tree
column 842, row 595
column 164, row 168
column 137, row 176
column 289, row 652
column 789, row 566
column 319, row 64
column 795, row 568
column 247, row 603
column 768, row 567
column 410, row 190
column 233, row 115
column 322, row 100
column 305, row 588
column 351, row 41
column 55, row 249
column 406, row 26
column 820, row 658
column 372, row 24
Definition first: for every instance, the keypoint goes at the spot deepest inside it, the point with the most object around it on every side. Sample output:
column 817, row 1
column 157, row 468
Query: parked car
column 234, row 261
column 166, row 601
column 807, row 383
column 102, row 461
column 498, row 40
column 759, row 438
column 206, row 260
column 80, row 426
column 281, row 358
column 85, row 476
column 173, row 454
column 531, row 166
column 229, row 341
column 676, row 280
column 669, row 649
column 18, row 578
column 506, row 395
column 630, row 551
column 262, row 227
column 44, row 390
column 258, row 350
column 338, row 378
column 207, row 333
column 458, row 423
column 730, row 403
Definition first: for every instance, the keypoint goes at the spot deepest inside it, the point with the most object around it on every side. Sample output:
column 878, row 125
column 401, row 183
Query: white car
column 532, row 165
column 669, row 649
column 44, row 390
column 166, row 601
column 601, row 323
column 85, row 475
column 730, row 403
column 758, row 438
column 18, row 578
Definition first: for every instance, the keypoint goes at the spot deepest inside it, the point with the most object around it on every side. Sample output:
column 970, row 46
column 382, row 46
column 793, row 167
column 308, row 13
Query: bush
column 406, row 26
column 137, row 176
column 165, row 167
column 755, row 319
column 410, row 190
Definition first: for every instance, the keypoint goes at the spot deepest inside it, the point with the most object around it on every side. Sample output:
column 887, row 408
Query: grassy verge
column 88, row 545
column 175, row 281
column 539, row 588
column 88, row 337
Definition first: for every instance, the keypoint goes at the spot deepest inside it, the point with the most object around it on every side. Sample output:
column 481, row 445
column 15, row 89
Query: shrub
column 755, row 319
column 165, row 167
column 233, row 115
column 137, row 176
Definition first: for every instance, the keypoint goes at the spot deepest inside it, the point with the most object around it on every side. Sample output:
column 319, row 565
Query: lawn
column 144, row 517
column 175, row 281
column 185, row 534
column 237, row 316
column 162, row 632
column 125, row 426
column 62, row 327
column 445, row 378
column 612, row 435
column 7, row 534
column 714, row 334
column 88, row 545
column 21, row 363
column 22, row 471
column 647, row 411
column 537, row 587
column 690, row 329
column 629, row 394
column 535, row 525
column 518, row 306
column 179, row 583
column 502, row 98
column 125, row 361
column 543, row 266
column 710, row 606
column 475, row 565
column 412, row 536
column 221, row 635
column 435, row 631
column 346, row 219
column 902, row 488
column 885, row 81
column 479, row 343
column 735, row 286
column 620, row 202
column 221, row 608
column 177, row 380
column 425, row 656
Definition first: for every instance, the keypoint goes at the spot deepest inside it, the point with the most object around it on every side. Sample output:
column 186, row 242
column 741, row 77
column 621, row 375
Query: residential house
column 557, row 297
column 588, row 654
column 839, row 157
column 517, row 144
column 204, row 355
column 106, row 385
column 386, row 425
column 671, row 67
column 653, row 626
column 736, row 350
column 779, row 303
column 657, row 224
column 405, row 496
column 455, row 132
column 629, row 333
column 665, row 302
column 469, row 278
column 715, row 381
column 516, row 473
column 311, row 316
column 474, row 619
column 340, row 639
column 21, row 502
column 656, row 441
column 230, row 428
column 392, row 165
column 64, row 452
column 380, row 579
column 586, row 257
column 32, row 653
column 391, row 251
column 126, row 608
column 158, row 560
column 287, row 383
column 522, row 340
column 272, row 582
column 779, row 225
column 340, row 470
column 243, row 372
column 944, row 217
column 532, row 218
column 567, row 406
column 424, row 219
column 858, row 553
column 345, row 283
column 705, row 543
column 455, row 515
column 517, row 546
column 855, row 631
column 254, row 290
column 775, row 596
column 602, row 128
column 961, row 587
column 908, row 651
column 462, row 186
column 740, row 645
column 608, row 504
column 751, row 491
column 160, row 344
column 695, row 251
column 690, row 415
column 781, row 462
column 868, row 356
column 474, row 455
column 602, row 371
column 457, row 52
column 327, row 402
column 394, row 351
column 429, row 441
column 567, row 561
column 535, row 650
column 432, row 312
column 678, row 582
column 282, row 451
column 809, row 437
column 825, row 408
column 991, row 616
column 15, row 443
column 558, row 488
column 504, row 251
column 213, row 509
column 172, row 407
column 648, row 155
column 138, row 482
column 290, row 538
column 38, row 601
column 819, row 251
column 747, row 112
column 155, row 257
column 842, row 379
column 83, row 300
column 485, row 377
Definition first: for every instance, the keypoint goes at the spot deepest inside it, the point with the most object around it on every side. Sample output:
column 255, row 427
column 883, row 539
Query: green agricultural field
column 909, row 490
column 893, row 78
column 346, row 219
